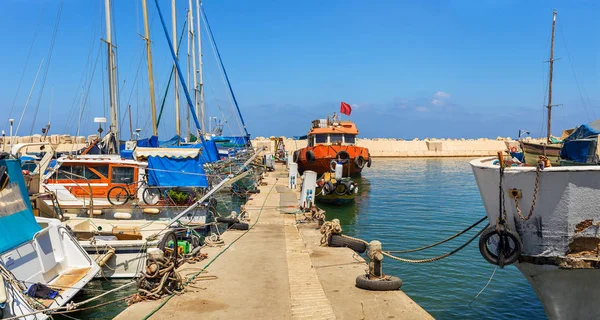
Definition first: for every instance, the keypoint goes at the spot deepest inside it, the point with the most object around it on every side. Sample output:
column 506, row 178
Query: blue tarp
column 300, row 137
column 236, row 141
column 17, row 223
column 172, row 172
column 154, row 142
column 210, row 155
column 581, row 150
column 585, row 131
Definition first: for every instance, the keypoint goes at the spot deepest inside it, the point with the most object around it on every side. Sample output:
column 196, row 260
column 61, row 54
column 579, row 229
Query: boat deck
column 277, row 270
column 66, row 280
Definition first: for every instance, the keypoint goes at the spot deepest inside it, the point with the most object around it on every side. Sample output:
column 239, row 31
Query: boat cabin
column 332, row 132
column 101, row 172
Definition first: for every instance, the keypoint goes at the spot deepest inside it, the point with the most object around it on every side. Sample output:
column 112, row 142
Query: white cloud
column 437, row 102
column 441, row 95
column 355, row 106
column 421, row 109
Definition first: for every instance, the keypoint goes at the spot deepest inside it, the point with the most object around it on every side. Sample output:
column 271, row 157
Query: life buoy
column 310, row 156
column 343, row 156
column 507, row 251
column 513, row 149
column 359, row 162
column 327, row 187
column 295, row 156
column 369, row 161
column 341, row 189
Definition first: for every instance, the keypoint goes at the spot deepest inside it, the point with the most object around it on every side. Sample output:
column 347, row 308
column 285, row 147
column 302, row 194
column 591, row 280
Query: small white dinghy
column 35, row 253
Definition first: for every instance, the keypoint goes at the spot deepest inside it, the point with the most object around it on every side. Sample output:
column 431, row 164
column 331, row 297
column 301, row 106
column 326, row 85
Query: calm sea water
column 410, row 203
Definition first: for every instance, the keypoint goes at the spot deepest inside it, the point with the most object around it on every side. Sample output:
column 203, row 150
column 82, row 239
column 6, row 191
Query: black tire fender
column 388, row 283
column 359, row 162
column 341, row 189
column 343, row 156
column 295, row 156
column 339, row 241
column 227, row 220
column 369, row 161
column 332, row 165
column 239, row 226
column 327, row 187
column 310, row 156
column 349, row 187
column 500, row 258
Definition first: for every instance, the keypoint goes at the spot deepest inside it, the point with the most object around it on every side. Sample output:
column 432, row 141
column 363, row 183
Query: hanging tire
column 343, row 156
column 164, row 245
column 369, row 161
column 239, row 226
column 118, row 195
column 295, row 156
column 151, row 195
column 506, row 253
column 341, row 189
column 310, row 156
column 327, row 187
column 359, row 162
column 339, row 241
column 389, row 283
column 332, row 165
column 227, row 220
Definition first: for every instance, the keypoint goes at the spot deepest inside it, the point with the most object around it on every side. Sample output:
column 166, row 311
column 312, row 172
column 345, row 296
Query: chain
column 541, row 162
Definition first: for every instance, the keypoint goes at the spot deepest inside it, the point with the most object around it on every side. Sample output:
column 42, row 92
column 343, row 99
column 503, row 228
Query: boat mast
column 150, row 74
column 176, row 84
column 112, row 72
column 550, row 78
column 201, row 81
column 189, row 68
column 194, row 70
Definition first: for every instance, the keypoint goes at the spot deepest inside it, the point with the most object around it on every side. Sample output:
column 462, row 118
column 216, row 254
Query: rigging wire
column 26, row 61
column 50, row 52
column 583, row 102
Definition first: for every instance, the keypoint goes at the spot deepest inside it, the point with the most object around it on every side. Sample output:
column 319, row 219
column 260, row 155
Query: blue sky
column 409, row 68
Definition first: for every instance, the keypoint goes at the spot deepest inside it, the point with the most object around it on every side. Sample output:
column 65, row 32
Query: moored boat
column 42, row 265
column 332, row 139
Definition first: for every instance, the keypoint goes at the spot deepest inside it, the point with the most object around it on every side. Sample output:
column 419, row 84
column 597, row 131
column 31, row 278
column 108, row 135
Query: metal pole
column 200, row 72
column 150, row 74
column 114, row 108
column 176, row 85
column 193, row 35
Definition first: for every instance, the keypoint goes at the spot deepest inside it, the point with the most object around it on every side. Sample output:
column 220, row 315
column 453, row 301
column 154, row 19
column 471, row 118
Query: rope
column 438, row 257
column 438, row 243
column 213, row 259
column 328, row 229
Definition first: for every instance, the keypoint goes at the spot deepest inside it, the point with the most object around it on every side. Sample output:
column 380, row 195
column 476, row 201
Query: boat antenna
column 549, row 106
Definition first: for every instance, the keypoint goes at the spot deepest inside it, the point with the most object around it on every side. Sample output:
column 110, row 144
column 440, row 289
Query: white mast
column 193, row 34
column 201, row 81
column 189, row 34
column 150, row 73
column 176, row 85
column 112, row 79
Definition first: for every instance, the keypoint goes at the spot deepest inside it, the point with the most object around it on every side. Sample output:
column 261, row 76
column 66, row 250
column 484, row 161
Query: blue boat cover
column 176, row 172
column 585, row 131
column 17, row 223
column 581, row 150
column 235, row 141
column 301, row 137
column 210, row 155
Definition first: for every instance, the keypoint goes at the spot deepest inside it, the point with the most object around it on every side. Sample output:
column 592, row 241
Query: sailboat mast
column 193, row 35
column 112, row 71
column 150, row 74
column 189, row 68
column 176, row 84
column 200, row 80
column 550, row 79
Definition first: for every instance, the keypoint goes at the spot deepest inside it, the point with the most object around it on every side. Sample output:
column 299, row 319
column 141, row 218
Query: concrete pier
column 277, row 270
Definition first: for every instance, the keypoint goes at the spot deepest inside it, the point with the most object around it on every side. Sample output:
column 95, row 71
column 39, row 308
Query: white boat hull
column 560, row 240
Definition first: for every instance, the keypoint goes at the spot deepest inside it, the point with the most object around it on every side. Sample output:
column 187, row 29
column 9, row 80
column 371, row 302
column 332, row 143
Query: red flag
column 345, row 108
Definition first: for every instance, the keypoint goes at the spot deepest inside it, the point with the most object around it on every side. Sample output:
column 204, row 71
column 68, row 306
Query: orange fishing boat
column 330, row 141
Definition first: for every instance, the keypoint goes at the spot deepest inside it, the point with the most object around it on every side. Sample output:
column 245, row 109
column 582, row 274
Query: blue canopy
column 580, row 146
column 301, row 137
column 176, row 172
column 17, row 223
column 210, row 155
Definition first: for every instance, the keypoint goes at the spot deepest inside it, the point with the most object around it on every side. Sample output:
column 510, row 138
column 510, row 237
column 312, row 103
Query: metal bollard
column 375, row 259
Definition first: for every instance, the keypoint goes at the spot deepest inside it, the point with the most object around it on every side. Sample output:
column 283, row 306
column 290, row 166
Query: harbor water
column 405, row 204
column 410, row 203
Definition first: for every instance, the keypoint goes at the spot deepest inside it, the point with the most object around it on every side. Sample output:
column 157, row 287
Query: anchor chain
column 542, row 162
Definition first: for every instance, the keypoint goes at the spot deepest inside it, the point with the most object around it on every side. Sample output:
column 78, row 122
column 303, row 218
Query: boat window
column 122, row 175
column 349, row 138
column 3, row 177
column 335, row 138
column 103, row 170
column 62, row 173
column 89, row 174
column 321, row 138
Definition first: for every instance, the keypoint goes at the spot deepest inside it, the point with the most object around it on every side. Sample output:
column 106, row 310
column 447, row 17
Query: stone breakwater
column 431, row 147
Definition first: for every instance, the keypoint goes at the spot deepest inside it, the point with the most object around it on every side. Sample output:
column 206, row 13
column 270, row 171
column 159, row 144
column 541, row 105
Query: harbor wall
column 395, row 148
